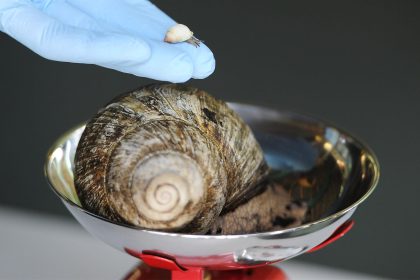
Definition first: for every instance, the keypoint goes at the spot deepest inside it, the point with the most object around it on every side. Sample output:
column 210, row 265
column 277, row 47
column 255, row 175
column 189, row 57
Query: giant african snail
column 167, row 157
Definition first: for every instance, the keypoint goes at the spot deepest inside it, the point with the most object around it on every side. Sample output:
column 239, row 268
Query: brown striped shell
column 167, row 157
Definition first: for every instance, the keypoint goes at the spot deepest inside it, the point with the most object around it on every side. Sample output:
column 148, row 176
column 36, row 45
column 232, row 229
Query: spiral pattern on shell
column 166, row 157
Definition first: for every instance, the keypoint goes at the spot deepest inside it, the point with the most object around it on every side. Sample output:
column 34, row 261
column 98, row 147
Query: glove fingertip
column 182, row 69
column 205, row 68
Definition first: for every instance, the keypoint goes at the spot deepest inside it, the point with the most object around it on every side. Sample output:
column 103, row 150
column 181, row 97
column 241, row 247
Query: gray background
column 355, row 63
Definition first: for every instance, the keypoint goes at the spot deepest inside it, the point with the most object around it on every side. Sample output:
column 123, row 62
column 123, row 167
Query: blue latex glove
column 125, row 35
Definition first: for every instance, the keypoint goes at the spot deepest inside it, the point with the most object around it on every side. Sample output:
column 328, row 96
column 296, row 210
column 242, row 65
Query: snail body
column 167, row 157
column 272, row 209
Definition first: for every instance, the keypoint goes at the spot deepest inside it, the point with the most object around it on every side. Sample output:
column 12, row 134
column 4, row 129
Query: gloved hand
column 125, row 35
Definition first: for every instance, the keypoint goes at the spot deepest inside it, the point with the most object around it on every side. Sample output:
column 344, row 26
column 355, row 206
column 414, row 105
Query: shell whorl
column 166, row 157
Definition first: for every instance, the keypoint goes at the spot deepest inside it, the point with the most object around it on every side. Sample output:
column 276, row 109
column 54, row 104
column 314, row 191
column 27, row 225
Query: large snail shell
column 167, row 157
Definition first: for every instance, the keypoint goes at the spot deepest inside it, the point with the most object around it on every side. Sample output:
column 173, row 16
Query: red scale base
column 160, row 266
column 145, row 272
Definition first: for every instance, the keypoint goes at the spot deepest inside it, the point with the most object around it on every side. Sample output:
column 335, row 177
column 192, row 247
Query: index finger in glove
column 56, row 41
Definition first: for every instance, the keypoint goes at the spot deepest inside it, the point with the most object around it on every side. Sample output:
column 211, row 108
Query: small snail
column 167, row 157
column 181, row 33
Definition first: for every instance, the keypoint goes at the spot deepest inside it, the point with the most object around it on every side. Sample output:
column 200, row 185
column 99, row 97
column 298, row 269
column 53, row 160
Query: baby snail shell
column 181, row 33
column 167, row 157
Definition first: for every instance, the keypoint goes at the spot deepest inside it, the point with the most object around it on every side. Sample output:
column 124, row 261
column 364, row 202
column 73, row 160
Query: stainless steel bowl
column 342, row 172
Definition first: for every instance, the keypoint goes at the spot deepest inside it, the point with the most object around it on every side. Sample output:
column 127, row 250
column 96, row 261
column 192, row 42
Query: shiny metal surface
column 318, row 163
